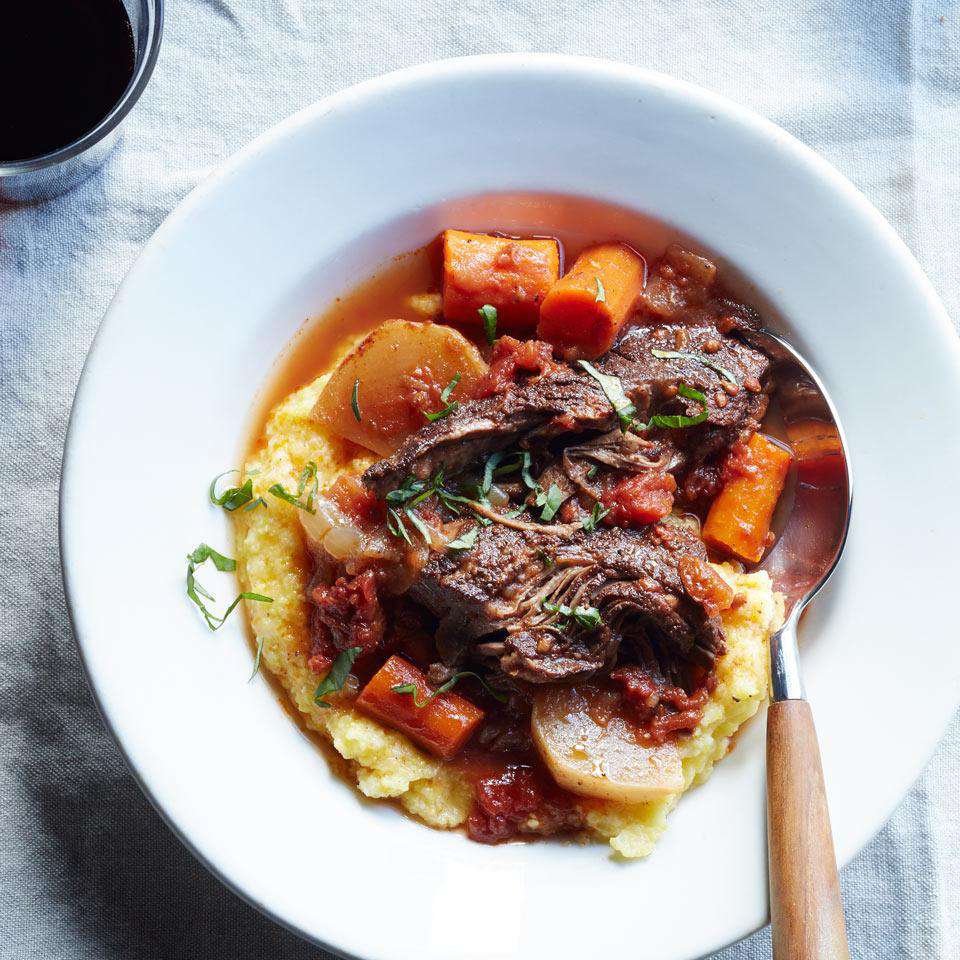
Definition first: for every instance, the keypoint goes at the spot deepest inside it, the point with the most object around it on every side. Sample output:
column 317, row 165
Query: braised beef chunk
column 539, row 408
column 566, row 402
column 651, row 363
column 548, row 607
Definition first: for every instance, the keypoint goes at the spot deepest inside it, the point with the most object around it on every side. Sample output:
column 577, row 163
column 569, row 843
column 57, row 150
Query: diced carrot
column 442, row 725
column 585, row 309
column 511, row 275
column 818, row 450
column 739, row 518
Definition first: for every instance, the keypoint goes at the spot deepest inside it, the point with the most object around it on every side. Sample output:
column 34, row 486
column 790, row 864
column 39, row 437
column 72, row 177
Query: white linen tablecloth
column 87, row 868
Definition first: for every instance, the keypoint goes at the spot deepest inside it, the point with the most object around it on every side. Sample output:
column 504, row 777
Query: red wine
column 64, row 64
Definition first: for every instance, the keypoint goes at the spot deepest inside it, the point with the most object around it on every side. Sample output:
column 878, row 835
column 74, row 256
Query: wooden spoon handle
column 805, row 906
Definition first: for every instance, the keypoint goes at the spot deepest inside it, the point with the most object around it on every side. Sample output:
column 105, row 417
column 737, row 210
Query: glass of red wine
column 72, row 70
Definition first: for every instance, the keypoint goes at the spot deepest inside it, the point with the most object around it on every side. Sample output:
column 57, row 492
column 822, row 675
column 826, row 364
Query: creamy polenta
column 273, row 560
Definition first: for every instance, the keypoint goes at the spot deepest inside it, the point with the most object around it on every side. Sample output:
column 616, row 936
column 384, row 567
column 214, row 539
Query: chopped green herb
column 308, row 477
column 587, row 617
column 337, row 676
column 197, row 593
column 525, row 461
column 465, row 541
column 601, row 296
column 412, row 492
column 545, row 557
column 488, row 315
column 493, row 461
column 551, row 501
column 411, row 689
column 256, row 659
column 706, row 361
column 423, row 529
column 614, row 392
column 410, row 488
column 445, row 398
column 355, row 399
column 449, row 499
column 395, row 525
column 593, row 471
column 596, row 515
column 233, row 497
column 678, row 421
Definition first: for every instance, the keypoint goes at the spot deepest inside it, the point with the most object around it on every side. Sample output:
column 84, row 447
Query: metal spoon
column 805, row 907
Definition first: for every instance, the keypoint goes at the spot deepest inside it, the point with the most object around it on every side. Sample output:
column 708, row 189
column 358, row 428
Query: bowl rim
column 136, row 86
column 476, row 67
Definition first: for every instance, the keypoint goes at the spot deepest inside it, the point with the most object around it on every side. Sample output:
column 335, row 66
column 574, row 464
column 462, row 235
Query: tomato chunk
column 511, row 357
column 349, row 615
column 704, row 585
column 639, row 499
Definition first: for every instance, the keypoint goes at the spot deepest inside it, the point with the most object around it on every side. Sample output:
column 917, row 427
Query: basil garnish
column 411, row 689
column 197, row 593
column 706, row 361
column 465, row 541
column 588, row 617
column 256, row 659
column 307, row 476
column 337, row 675
column 596, row 515
column 355, row 399
column 614, row 392
column 488, row 315
column 445, row 398
column 551, row 501
column 678, row 421
column 234, row 497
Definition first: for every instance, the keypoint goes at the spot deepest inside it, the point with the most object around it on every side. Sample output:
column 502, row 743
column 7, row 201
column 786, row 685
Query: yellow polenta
column 272, row 560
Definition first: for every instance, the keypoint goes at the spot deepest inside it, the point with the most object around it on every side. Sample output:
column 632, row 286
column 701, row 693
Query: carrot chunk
column 511, row 275
column 739, row 518
column 818, row 450
column 584, row 311
column 442, row 725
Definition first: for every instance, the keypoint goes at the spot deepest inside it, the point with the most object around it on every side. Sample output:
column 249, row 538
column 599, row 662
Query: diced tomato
column 704, row 585
column 639, row 499
column 502, row 803
column 322, row 651
column 511, row 356
column 349, row 612
column 658, row 709
column 520, row 798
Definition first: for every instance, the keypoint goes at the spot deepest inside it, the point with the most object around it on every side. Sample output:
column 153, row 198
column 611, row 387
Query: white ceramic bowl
column 300, row 216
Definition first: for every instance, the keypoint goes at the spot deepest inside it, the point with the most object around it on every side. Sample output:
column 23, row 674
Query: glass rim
column 119, row 111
